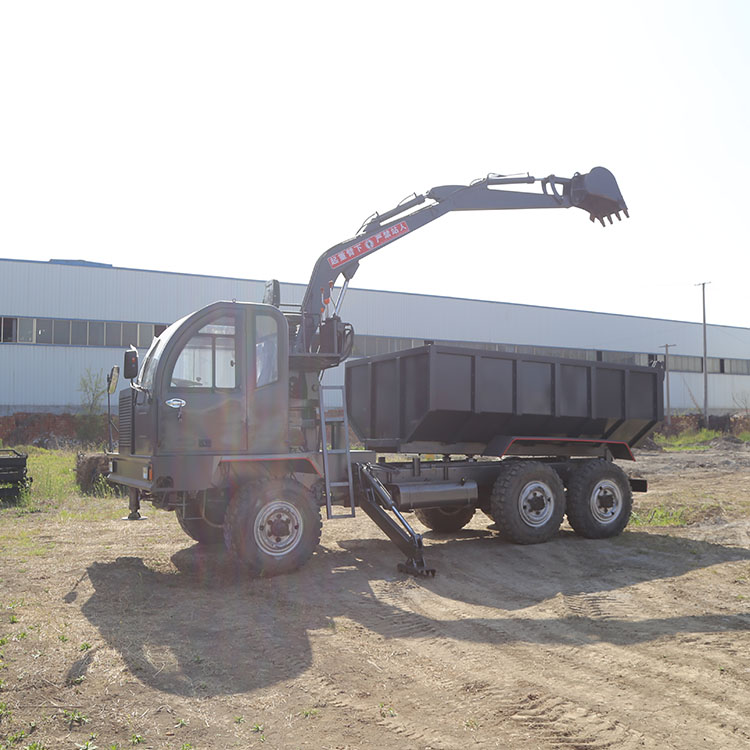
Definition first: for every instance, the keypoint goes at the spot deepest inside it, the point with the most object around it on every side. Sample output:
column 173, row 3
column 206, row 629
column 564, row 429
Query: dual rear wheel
column 529, row 500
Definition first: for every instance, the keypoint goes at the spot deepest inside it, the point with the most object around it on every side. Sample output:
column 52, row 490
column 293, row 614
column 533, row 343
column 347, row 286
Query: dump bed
column 443, row 399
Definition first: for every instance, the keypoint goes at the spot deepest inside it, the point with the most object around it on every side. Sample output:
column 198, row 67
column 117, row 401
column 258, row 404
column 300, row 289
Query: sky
column 244, row 139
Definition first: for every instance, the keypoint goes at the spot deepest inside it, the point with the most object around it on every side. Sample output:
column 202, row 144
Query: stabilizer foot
column 416, row 568
column 134, row 516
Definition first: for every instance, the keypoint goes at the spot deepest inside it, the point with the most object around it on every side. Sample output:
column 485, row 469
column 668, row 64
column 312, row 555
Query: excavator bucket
column 597, row 192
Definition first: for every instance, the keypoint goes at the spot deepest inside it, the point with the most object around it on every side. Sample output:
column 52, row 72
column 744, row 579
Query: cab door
column 268, row 381
column 203, row 395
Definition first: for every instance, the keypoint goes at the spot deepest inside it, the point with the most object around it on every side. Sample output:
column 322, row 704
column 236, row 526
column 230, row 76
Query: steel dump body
column 443, row 399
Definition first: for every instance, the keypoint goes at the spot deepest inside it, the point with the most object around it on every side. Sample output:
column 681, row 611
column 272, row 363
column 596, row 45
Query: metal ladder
column 344, row 450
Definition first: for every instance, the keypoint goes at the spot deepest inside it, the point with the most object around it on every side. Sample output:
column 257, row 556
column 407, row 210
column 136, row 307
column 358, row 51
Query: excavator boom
column 596, row 192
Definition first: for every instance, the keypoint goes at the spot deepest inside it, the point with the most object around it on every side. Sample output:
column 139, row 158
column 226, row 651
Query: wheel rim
column 536, row 504
column 278, row 528
column 606, row 501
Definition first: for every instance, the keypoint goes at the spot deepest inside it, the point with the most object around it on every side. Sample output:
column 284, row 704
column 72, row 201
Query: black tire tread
column 503, row 501
column 579, row 487
column 438, row 520
column 244, row 508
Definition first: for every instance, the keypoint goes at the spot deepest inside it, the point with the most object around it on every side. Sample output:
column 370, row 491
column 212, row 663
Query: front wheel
column 527, row 502
column 599, row 499
column 272, row 527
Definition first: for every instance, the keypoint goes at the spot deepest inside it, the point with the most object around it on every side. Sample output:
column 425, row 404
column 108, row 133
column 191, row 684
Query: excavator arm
column 596, row 192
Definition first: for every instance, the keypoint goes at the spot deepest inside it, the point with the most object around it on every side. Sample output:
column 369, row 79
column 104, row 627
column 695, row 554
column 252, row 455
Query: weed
column 181, row 723
column 13, row 619
column 15, row 737
column 471, row 724
column 386, row 710
column 2, row 684
column 308, row 713
column 64, row 638
column 35, row 746
column 257, row 728
column 660, row 516
column 20, row 636
column 186, row 746
column 5, row 712
column 88, row 745
column 75, row 717
column 137, row 739
column 84, row 646
column 78, row 680
column 688, row 440
column 239, row 720
column 3, row 640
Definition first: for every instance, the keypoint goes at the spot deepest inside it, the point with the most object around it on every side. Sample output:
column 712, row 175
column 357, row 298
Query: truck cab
column 214, row 384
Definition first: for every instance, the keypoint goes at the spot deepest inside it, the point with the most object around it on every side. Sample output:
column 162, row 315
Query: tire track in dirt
column 632, row 666
column 549, row 717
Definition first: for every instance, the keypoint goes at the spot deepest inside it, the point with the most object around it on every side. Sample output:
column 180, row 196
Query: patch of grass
column 689, row 440
column 660, row 516
column 744, row 436
column 75, row 717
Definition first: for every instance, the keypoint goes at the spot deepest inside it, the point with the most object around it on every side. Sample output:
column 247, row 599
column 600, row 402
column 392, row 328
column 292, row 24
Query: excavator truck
column 228, row 424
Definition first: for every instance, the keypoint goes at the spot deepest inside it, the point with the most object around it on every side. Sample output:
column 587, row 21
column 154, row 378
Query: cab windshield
column 151, row 362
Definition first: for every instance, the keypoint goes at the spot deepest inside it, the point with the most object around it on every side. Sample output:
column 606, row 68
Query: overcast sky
column 244, row 139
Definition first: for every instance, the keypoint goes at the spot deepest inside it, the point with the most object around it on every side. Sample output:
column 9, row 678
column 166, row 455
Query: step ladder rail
column 345, row 451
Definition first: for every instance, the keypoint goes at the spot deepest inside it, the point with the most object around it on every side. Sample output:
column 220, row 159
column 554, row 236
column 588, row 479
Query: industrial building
column 63, row 320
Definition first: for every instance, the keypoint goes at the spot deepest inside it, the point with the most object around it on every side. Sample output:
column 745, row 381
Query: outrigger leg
column 374, row 500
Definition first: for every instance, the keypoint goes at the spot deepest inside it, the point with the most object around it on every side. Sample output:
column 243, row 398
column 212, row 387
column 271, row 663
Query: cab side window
column 208, row 358
column 266, row 350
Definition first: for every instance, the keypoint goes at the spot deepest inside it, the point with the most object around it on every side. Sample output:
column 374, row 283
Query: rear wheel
column 528, row 502
column 273, row 527
column 599, row 500
column 451, row 518
column 202, row 520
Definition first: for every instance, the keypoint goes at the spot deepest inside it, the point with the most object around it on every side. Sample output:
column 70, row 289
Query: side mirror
column 130, row 364
column 112, row 378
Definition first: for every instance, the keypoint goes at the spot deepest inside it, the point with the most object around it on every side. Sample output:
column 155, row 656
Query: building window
column 9, row 332
column 79, row 332
column 737, row 366
column 26, row 330
column 130, row 334
column 145, row 335
column 43, row 331
column 113, row 334
column 96, row 333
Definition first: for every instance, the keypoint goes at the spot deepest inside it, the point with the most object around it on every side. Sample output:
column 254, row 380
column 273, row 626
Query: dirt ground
column 118, row 634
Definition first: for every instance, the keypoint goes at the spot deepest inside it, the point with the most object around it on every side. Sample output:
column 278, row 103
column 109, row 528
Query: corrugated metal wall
column 48, row 377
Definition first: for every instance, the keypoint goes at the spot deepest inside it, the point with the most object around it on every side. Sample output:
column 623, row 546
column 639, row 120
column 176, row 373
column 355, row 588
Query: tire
column 205, row 531
column 273, row 527
column 528, row 502
column 599, row 499
column 450, row 518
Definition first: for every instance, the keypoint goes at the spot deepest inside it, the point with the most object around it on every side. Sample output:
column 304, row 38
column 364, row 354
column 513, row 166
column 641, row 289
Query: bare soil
column 642, row 641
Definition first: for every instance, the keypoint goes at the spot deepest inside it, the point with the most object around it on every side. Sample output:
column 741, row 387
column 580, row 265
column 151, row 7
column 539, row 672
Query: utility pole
column 666, row 377
column 705, row 357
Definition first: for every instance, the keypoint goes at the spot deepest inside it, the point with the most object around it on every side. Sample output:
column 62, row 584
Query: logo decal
column 367, row 246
